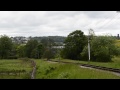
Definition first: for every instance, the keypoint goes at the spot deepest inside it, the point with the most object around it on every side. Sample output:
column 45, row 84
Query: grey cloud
column 40, row 23
column 63, row 13
column 100, row 14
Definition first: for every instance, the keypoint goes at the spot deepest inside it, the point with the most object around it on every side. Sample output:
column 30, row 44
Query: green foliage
column 102, row 49
column 33, row 49
column 15, row 47
column 74, row 45
column 37, row 51
column 21, row 51
column 48, row 53
column 48, row 50
column 13, row 52
column 5, row 47
column 30, row 46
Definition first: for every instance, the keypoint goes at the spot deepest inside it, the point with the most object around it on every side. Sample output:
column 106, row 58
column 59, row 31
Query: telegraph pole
column 89, row 47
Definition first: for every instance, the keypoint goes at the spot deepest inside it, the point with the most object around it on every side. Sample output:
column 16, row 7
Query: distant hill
column 23, row 40
column 54, row 38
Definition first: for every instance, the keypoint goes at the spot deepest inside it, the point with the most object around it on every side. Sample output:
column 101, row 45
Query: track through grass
column 47, row 70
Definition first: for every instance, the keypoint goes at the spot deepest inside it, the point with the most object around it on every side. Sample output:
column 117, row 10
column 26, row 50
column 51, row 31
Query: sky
column 58, row 23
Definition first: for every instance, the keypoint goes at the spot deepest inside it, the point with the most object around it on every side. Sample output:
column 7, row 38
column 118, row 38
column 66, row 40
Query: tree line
column 103, row 48
column 32, row 49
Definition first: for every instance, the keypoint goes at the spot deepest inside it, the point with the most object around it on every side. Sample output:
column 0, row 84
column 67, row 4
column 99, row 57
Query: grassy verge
column 49, row 70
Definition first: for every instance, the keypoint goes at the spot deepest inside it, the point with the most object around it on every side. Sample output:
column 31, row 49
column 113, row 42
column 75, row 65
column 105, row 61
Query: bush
column 102, row 49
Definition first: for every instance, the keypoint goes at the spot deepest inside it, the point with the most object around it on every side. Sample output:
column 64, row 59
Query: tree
column 5, row 47
column 49, row 51
column 30, row 46
column 74, row 44
column 34, row 49
column 13, row 52
column 21, row 51
column 102, row 49
column 38, row 51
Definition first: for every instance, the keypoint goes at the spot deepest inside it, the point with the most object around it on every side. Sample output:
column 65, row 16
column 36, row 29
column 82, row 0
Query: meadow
column 15, row 69
column 20, row 69
column 52, row 70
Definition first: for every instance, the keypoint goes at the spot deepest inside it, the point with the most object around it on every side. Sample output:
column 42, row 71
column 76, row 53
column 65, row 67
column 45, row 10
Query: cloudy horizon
column 58, row 23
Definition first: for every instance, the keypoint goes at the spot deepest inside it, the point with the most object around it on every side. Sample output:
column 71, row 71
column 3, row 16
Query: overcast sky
column 58, row 23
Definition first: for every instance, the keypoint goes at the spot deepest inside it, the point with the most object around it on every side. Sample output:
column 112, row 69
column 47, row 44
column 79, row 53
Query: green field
column 50, row 70
column 14, row 69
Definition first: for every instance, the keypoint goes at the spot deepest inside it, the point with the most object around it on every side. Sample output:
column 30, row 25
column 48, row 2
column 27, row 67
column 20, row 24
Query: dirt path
column 33, row 70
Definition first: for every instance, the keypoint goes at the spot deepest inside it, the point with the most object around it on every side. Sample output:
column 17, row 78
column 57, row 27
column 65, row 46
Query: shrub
column 102, row 49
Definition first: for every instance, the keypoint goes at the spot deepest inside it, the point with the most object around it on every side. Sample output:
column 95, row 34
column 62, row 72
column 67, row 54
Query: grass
column 117, row 43
column 48, row 70
column 114, row 64
column 13, row 66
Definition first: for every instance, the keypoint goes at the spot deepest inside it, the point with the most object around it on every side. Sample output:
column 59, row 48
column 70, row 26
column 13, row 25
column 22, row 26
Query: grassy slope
column 114, row 64
column 69, row 71
column 8, row 65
